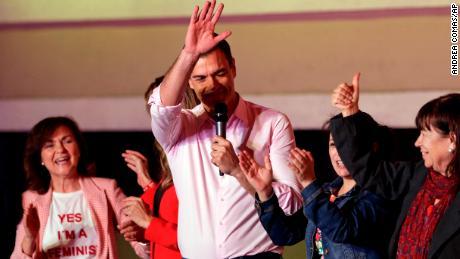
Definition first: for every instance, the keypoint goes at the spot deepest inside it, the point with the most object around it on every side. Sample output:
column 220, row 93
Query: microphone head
column 220, row 112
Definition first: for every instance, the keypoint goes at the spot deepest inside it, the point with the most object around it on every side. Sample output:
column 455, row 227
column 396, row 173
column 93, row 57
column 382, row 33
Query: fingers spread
column 204, row 10
column 211, row 10
column 194, row 16
column 244, row 162
column 216, row 16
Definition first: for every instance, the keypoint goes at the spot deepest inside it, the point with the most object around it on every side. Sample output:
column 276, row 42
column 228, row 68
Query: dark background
column 105, row 150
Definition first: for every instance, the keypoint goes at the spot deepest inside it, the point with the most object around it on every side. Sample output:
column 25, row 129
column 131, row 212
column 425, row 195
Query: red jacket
column 162, row 231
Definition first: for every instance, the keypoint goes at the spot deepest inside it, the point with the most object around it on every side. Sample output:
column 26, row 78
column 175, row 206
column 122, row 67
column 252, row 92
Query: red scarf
column 424, row 214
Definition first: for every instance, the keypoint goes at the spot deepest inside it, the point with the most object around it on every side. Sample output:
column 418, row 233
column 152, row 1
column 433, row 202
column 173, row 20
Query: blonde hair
column 166, row 175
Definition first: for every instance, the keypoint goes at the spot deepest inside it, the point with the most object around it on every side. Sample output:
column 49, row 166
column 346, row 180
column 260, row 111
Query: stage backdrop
column 93, row 59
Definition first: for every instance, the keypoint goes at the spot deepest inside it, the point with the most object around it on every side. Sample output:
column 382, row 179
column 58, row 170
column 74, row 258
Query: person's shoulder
column 99, row 181
column 264, row 110
column 254, row 106
column 30, row 195
column 371, row 198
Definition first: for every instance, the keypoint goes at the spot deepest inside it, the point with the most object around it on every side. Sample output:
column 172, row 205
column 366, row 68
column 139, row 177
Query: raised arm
column 200, row 39
column 346, row 97
column 138, row 163
column 354, row 133
column 27, row 231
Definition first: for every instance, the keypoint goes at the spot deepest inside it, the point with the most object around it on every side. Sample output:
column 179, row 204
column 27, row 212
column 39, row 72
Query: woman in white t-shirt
column 67, row 213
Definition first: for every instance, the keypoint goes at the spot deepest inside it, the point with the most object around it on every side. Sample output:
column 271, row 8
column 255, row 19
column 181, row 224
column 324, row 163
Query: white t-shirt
column 70, row 232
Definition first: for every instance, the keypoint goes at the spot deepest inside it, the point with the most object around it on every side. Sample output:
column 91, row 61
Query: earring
column 451, row 149
column 43, row 163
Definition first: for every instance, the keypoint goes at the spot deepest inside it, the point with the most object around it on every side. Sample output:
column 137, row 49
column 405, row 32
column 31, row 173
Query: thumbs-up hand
column 346, row 97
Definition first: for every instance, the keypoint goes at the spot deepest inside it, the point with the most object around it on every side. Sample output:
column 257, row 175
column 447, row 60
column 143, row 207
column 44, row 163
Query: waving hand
column 200, row 36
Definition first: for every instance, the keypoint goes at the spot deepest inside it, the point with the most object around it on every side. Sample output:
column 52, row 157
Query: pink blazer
column 104, row 199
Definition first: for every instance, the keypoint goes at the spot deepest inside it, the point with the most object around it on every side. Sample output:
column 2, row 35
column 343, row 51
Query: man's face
column 212, row 79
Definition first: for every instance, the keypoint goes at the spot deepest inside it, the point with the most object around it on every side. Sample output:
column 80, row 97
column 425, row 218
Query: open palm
column 200, row 36
column 32, row 222
column 260, row 178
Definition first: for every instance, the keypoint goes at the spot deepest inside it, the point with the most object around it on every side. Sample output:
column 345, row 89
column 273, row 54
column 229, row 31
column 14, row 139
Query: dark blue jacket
column 356, row 225
column 400, row 180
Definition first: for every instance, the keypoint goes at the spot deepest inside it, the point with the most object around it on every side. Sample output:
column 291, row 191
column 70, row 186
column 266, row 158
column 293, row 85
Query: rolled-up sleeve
column 166, row 120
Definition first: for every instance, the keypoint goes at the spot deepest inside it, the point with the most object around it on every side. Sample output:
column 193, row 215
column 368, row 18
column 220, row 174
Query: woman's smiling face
column 60, row 153
column 336, row 161
column 435, row 149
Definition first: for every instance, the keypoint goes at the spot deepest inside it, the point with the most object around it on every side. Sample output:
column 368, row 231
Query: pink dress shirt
column 217, row 217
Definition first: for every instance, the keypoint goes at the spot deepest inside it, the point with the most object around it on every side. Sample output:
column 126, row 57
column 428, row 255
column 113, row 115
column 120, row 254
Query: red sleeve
column 147, row 196
column 163, row 230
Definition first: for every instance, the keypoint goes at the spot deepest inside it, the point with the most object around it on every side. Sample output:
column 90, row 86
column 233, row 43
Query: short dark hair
column 37, row 176
column 225, row 48
column 443, row 115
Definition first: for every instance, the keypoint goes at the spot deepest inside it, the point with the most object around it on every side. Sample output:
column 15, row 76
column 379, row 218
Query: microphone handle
column 220, row 131
column 220, row 128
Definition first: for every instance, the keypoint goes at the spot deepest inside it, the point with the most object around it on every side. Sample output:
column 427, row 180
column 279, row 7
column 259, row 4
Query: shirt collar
column 335, row 185
column 240, row 112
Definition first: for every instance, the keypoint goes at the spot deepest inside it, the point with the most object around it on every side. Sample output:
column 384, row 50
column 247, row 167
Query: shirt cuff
column 267, row 205
column 312, row 191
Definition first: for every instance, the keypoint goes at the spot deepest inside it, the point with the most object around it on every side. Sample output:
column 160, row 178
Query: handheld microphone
column 220, row 118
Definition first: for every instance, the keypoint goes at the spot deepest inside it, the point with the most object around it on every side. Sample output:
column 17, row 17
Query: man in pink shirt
column 217, row 217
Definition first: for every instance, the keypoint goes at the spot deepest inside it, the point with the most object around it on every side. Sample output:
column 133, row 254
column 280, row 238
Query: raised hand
column 32, row 222
column 346, row 97
column 139, row 164
column 200, row 37
column 303, row 165
column 31, row 228
column 260, row 178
